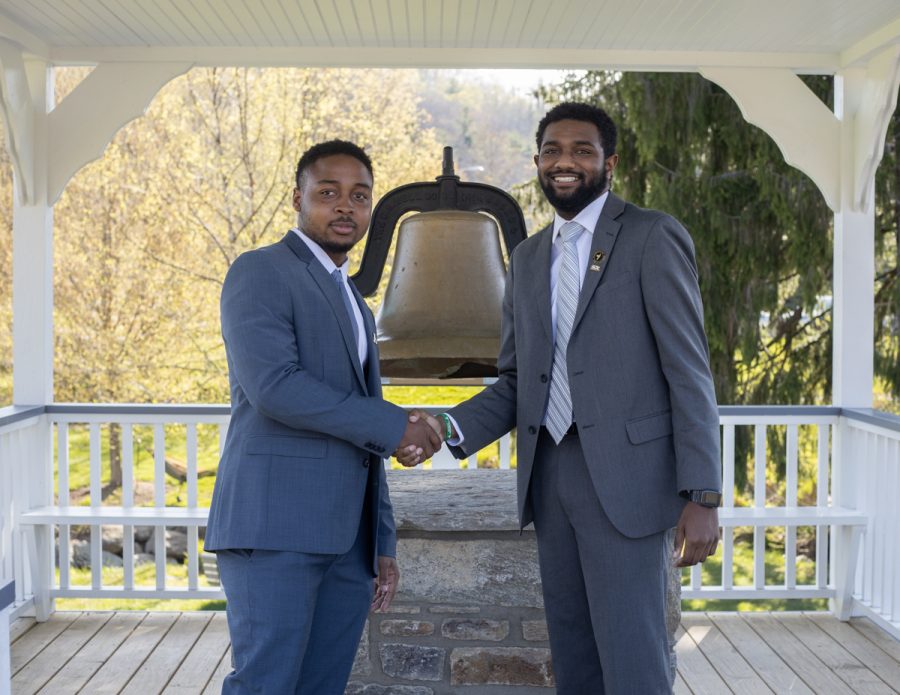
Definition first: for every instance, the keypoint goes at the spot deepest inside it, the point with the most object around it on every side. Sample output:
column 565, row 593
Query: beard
column 578, row 199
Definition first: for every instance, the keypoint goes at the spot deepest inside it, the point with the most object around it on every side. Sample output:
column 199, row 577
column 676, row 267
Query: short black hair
column 329, row 149
column 576, row 111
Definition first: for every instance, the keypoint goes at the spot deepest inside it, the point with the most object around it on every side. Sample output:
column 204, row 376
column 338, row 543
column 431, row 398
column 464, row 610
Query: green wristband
column 448, row 426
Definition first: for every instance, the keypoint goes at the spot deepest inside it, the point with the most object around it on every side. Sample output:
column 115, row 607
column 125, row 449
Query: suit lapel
column 373, row 382
column 605, row 234
column 331, row 292
column 537, row 272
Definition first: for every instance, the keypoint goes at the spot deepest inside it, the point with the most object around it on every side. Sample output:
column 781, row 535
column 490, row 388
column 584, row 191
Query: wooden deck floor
column 145, row 653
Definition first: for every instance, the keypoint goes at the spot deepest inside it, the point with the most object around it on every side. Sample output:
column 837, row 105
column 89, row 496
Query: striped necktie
column 568, row 287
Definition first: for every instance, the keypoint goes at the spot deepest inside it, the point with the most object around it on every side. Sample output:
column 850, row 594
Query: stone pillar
column 469, row 614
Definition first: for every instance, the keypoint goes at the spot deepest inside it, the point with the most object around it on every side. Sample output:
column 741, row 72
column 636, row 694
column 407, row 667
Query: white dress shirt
column 329, row 265
column 587, row 218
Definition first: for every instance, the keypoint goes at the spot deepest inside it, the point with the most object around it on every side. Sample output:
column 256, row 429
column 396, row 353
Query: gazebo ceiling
column 804, row 35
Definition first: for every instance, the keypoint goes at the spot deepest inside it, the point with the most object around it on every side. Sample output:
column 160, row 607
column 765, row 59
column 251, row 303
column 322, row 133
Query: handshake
column 424, row 436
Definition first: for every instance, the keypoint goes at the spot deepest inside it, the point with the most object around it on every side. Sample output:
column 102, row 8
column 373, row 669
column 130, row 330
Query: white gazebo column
column 33, row 257
column 865, row 99
column 840, row 152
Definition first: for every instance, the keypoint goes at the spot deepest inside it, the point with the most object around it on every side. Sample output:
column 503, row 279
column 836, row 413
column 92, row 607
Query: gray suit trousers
column 604, row 593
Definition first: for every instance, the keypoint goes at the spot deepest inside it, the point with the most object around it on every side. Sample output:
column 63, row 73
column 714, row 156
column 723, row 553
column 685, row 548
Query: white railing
column 25, row 482
column 806, row 470
column 799, row 439
column 870, row 480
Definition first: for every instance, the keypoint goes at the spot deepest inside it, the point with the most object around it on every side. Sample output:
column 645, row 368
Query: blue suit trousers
column 295, row 618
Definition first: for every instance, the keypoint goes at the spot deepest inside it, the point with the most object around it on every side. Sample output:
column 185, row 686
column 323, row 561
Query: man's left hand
column 385, row 583
column 697, row 534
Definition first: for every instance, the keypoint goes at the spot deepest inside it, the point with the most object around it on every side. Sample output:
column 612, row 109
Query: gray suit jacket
column 638, row 361
column 308, row 428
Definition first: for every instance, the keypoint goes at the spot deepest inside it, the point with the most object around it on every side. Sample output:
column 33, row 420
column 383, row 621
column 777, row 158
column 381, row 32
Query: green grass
column 144, row 577
column 743, row 576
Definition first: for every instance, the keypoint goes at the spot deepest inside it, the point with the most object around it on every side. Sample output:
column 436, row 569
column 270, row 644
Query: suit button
column 532, row 429
column 365, row 462
column 543, row 378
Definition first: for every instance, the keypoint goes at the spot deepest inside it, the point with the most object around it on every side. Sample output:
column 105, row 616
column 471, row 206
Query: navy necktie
column 345, row 295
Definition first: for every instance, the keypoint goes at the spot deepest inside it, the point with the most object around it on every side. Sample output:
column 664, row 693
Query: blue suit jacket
column 308, row 427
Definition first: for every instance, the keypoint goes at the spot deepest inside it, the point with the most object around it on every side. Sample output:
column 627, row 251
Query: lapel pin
column 598, row 257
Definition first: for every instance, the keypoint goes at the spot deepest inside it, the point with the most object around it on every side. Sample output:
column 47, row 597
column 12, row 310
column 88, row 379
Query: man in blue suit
column 301, row 520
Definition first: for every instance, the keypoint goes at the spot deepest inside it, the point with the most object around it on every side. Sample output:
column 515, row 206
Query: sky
column 520, row 80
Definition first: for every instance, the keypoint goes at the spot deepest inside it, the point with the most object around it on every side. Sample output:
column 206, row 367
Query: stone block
column 496, row 571
column 501, row 666
column 535, row 630
column 403, row 608
column 362, row 663
column 406, row 628
column 413, row 662
column 475, row 629
column 357, row 688
column 455, row 609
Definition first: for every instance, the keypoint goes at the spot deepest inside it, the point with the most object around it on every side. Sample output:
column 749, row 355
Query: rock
column 501, row 666
column 497, row 572
column 111, row 560
column 469, row 629
column 112, row 539
column 142, row 534
column 412, row 662
column 176, row 544
column 406, row 628
column 356, row 688
column 80, row 554
column 535, row 630
column 144, row 559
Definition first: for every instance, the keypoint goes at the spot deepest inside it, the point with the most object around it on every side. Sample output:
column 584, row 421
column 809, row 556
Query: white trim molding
column 87, row 120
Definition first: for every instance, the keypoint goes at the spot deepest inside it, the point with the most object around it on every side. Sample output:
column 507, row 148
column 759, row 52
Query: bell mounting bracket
column 446, row 193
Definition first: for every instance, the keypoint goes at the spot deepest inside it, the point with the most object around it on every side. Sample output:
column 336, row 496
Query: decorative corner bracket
column 17, row 111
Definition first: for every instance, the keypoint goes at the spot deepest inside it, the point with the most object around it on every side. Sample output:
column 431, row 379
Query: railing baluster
column 506, row 451
column 728, row 501
column 759, row 500
column 96, row 501
column 869, row 487
column 880, row 498
column 192, row 534
column 822, row 497
column 159, row 499
column 894, row 557
column 128, row 502
column 62, row 494
column 790, row 532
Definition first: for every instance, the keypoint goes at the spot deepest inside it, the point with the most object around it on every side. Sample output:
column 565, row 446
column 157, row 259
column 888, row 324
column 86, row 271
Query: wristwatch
column 705, row 498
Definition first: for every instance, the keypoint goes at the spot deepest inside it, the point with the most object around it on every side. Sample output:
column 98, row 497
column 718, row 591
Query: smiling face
column 571, row 167
column 334, row 202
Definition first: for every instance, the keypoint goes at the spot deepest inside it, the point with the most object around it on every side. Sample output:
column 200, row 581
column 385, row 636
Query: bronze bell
column 440, row 317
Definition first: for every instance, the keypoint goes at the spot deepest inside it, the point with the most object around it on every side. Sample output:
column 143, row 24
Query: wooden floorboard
column 56, row 655
column 798, row 657
column 189, row 654
column 841, row 662
column 114, row 675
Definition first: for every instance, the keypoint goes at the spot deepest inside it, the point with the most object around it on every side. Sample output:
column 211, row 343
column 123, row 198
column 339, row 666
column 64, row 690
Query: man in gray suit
column 604, row 370
column 301, row 521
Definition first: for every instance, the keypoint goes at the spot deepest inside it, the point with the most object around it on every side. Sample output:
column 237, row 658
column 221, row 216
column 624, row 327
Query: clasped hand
column 421, row 439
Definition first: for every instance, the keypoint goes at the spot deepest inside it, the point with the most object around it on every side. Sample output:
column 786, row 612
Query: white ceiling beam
column 29, row 42
column 85, row 122
column 862, row 51
column 805, row 130
column 531, row 58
